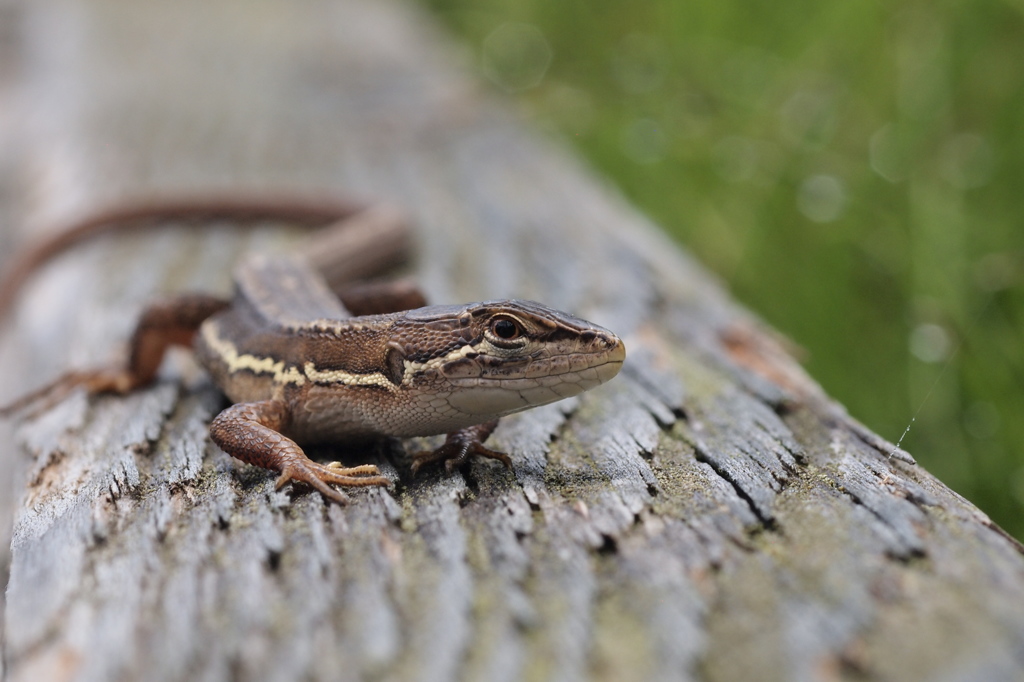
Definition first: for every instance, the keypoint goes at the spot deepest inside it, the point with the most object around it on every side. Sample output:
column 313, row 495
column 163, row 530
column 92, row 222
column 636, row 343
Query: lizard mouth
column 532, row 387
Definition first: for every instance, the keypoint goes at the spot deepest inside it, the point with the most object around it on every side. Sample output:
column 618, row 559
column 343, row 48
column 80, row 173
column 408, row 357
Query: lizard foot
column 458, row 448
column 251, row 432
column 110, row 380
column 321, row 477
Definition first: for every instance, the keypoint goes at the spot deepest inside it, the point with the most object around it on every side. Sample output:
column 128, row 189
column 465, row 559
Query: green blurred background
column 855, row 171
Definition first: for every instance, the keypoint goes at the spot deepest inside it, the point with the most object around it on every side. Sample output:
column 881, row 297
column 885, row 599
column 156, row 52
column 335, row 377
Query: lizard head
column 497, row 357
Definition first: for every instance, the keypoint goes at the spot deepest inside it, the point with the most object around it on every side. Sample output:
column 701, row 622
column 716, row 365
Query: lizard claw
column 459, row 447
column 361, row 470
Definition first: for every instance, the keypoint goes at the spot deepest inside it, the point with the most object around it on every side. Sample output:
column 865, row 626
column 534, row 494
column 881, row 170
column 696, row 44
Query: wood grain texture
column 708, row 515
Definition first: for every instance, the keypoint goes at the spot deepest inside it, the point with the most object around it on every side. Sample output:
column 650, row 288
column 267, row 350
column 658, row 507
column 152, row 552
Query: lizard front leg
column 169, row 322
column 385, row 297
column 251, row 432
column 459, row 446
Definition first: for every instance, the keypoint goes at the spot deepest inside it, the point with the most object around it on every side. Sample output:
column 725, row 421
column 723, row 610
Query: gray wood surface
column 709, row 515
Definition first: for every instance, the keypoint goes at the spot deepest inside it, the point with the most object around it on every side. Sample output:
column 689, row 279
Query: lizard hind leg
column 251, row 432
column 111, row 380
column 168, row 322
column 380, row 298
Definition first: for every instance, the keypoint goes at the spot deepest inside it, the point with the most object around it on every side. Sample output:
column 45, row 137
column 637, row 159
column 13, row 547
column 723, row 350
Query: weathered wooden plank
column 710, row 514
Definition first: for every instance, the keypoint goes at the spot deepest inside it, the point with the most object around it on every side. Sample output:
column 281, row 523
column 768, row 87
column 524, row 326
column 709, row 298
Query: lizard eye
column 505, row 328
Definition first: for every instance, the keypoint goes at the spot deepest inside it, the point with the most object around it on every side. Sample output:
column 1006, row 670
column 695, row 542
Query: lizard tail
column 305, row 210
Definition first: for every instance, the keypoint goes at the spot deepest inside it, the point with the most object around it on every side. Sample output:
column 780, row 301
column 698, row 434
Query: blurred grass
column 854, row 170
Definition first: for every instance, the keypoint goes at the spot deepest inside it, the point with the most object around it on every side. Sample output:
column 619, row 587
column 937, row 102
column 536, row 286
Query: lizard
column 303, row 362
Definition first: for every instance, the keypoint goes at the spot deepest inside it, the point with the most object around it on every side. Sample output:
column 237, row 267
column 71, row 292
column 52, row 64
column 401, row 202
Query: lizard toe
column 322, row 478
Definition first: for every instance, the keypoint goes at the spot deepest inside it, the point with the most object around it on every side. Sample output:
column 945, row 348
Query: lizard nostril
column 617, row 349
